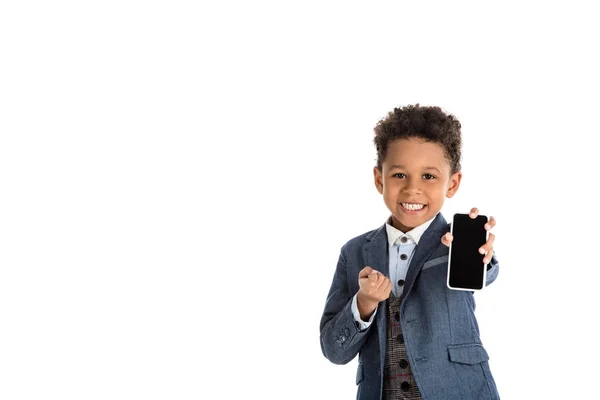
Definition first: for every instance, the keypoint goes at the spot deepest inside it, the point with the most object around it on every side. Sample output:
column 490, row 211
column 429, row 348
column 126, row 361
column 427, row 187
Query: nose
column 413, row 186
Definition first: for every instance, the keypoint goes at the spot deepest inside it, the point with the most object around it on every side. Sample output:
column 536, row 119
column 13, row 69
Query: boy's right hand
column 373, row 288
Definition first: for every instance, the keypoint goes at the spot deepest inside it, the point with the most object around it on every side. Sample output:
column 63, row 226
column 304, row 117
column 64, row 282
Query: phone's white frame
column 485, row 266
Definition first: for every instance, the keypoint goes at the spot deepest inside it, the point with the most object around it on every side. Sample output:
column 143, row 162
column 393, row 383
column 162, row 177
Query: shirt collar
column 414, row 235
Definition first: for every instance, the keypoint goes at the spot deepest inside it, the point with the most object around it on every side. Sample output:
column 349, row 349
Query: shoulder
column 360, row 240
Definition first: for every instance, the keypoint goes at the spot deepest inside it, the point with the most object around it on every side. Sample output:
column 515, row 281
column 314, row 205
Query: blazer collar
column 376, row 249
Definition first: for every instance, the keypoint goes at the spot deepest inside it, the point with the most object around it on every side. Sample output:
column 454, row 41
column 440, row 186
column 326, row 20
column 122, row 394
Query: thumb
column 366, row 271
column 447, row 239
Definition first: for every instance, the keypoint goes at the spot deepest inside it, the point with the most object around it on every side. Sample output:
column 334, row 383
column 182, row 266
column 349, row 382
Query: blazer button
column 403, row 257
column 403, row 363
column 405, row 386
column 401, row 282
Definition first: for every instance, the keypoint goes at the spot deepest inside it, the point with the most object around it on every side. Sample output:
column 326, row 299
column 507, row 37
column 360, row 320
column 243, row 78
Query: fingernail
column 482, row 251
column 487, row 226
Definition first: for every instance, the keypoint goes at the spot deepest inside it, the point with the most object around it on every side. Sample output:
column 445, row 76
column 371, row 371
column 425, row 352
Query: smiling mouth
column 413, row 206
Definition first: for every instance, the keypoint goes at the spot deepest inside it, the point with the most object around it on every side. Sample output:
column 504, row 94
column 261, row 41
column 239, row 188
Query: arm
column 341, row 334
column 357, row 314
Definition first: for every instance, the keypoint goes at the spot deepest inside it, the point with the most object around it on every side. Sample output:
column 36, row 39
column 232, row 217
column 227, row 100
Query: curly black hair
column 428, row 123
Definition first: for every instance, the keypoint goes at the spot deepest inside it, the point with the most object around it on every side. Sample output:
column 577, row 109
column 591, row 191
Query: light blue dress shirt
column 401, row 249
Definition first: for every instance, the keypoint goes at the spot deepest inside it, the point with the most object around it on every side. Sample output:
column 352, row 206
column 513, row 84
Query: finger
column 491, row 240
column 488, row 258
column 372, row 278
column 488, row 248
column 488, row 245
column 365, row 271
column 490, row 224
column 388, row 288
column 447, row 239
column 378, row 281
column 366, row 280
column 386, row 282
column 381, row 281
column 474, row 212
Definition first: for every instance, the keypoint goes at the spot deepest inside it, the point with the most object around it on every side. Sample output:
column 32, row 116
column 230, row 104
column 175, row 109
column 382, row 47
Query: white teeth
column 412, row 206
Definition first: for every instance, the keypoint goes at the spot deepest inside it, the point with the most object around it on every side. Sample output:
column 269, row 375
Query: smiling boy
column 388, row 302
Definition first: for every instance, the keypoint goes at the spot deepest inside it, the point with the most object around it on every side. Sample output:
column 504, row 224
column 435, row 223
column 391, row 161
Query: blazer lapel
column 429, row 242
column 375, row 254
column 375, row 251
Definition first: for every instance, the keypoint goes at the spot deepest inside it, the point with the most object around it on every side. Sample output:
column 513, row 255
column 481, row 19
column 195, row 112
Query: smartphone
column 466, row 269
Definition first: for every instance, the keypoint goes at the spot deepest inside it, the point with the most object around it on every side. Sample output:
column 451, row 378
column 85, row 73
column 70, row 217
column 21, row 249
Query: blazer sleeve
column 493, row 269
column 341, row 336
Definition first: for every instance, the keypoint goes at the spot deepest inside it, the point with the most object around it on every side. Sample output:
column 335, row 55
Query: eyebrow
column 426, row 168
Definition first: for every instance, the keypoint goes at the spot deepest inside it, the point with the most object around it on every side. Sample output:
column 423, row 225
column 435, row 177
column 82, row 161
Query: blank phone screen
column 466, row 263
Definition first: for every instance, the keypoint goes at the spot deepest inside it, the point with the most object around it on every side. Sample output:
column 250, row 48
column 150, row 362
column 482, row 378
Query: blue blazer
column 440, row 331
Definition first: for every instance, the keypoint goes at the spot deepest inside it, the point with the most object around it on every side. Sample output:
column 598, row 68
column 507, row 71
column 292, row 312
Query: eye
column 428, row 176
column 399, row 175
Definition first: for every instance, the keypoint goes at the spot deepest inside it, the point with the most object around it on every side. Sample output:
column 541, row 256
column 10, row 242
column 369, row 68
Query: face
column 414, row 180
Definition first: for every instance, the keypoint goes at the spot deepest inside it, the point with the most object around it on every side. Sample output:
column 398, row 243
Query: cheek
column 387, row 186
column 438, row 191
column 443, row 192
column 389, row 192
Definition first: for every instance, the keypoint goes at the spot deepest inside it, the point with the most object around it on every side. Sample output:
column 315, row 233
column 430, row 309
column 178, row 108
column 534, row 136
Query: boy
column 389, row 303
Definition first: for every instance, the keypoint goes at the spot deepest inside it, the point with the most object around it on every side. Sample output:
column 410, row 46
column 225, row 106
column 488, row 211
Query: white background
column 177, row 178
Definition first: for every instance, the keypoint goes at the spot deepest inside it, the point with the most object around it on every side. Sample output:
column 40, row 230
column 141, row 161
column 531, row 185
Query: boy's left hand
column 488, row 247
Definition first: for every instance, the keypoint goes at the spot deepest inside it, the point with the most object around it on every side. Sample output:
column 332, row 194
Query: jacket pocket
column 472, row 353
column 360, row 374
column 473, row 374
column 435, row 262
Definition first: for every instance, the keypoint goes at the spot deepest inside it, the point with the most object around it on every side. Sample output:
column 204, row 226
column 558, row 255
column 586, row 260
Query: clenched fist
column 373, row 288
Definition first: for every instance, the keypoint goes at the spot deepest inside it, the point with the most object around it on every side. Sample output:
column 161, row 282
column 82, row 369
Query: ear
column 453, row 184
column 378, row 180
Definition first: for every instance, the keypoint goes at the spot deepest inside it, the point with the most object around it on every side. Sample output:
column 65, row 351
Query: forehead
column 416, row 153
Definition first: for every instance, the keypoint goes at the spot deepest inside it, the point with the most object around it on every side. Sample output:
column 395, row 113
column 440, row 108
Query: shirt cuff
column 362, row 324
